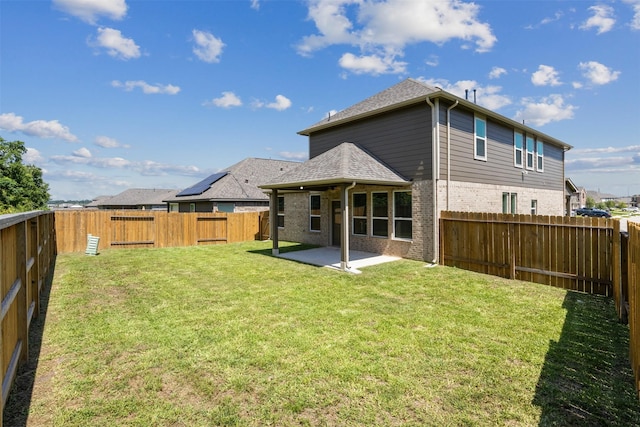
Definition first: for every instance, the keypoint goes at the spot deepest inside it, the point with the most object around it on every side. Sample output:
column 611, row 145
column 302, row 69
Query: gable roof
column 343, row 164
column 409, row 92
column 138, row 197
column 240, row 182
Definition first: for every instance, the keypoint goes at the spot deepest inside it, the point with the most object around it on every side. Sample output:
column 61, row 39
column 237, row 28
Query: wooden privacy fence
column 633, row 294
column 153, row 229
column 27, row 258
column 573, row 253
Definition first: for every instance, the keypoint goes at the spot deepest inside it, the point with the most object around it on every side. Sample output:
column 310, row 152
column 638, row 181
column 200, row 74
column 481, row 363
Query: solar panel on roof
column 202, row 186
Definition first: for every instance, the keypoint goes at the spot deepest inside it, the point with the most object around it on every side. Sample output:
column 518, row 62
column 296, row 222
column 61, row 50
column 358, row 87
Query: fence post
column 512, row 251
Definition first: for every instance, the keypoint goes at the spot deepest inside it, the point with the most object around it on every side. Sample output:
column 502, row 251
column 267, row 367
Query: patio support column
column 344, row 241
column 273, row 221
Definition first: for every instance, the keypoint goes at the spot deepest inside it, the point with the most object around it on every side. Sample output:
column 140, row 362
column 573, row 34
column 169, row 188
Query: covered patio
column 341, row 168
column 330, row 256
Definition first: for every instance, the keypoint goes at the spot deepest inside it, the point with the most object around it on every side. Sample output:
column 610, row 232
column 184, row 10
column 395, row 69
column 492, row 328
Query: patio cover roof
column 344, row 164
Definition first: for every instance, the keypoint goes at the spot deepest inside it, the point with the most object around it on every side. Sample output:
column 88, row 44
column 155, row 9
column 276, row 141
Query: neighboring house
column 635, row 201
column 576, row 197
column 380, row 172
column 233, row 190
column 96, row 202
column 135, row 198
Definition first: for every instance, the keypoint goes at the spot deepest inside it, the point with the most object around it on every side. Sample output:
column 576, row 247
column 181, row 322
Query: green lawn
column 228, row 335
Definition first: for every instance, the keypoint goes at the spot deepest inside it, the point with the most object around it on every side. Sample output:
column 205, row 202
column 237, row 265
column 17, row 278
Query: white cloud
column 602, row 19
column 545, row 76
column 147, row 88
column 556, row 17
column 547, row 110
column 382, row 29
column 281, row 103
column 227, row 100
column 635, row 22
column 433, row 61
column 208, row 47
column 145, row 167
column 82, row 152
column 32, row 156
column 608, row 150
column 291, row 155
column 106, row 142
column 38, row 128
column 116, row 45
column 90, row 10
column 371, row 64
column 255, row 4
column 487, row 96
column 497, row 72
column 597, row 73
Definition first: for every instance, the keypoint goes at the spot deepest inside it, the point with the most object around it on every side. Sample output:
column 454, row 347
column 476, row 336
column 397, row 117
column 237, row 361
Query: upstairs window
column 360, row 214
column 380, row 214
column 518, row 142
column 540, row 157
column 402, row 223
column 530, row 148
column 280, row 211
column 314, row 212
column 480, row 133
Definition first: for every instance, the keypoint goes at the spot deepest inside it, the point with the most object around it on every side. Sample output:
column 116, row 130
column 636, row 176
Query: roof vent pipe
column 466, row 94
column 474, row 96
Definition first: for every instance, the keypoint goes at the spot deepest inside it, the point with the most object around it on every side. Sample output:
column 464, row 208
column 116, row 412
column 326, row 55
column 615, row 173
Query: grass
column 228, row 335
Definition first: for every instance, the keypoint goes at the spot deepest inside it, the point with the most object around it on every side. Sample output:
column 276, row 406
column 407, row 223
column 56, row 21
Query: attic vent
column 246, row 181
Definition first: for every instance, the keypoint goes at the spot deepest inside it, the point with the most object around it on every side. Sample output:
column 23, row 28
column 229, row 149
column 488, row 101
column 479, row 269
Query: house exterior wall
column 420, row 247
column 400, row 138
column 209, row 206
column 499, row 167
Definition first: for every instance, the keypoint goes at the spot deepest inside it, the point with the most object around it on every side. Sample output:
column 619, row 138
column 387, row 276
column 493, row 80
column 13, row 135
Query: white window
column 510, row 203
column 530, row 148
column 402, row 223
column 480, row 133
column 359, row 206
column 192, row 207
column 380, row 214
column 518, row 142
column 173, row 207
column 314, row 212
column 534, row 207
column 540, row 157
column 280, row 212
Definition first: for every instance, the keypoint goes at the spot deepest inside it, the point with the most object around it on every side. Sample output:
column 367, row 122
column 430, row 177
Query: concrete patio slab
column 330, row 257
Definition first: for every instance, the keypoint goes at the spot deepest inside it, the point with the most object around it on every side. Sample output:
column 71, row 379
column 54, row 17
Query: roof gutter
column 435, row 143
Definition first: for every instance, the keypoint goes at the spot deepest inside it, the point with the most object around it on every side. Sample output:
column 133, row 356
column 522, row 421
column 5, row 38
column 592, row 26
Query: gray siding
column 499, row 167
column 401, row 139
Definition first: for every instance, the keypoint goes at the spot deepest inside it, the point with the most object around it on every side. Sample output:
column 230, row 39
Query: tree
column 21, row 186
column 590, row 202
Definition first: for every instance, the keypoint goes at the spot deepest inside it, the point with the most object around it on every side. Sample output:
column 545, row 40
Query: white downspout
column 344, row 263
column 435, row 139
column 449, row 149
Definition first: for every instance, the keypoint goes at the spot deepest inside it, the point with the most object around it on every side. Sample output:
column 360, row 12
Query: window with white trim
column 480, row 138
column 509, row 203
column 192, row 207
column 402, row 215
column 359, row 206
column 280, row 212
column 314, row 212
column 173, row 207
column 518, row 142
column 534, row 207
column 540, row 157
column 530, row 148
column 380, row 214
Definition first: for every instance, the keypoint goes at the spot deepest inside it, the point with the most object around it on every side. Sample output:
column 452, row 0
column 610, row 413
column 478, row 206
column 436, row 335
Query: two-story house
column 380, row 172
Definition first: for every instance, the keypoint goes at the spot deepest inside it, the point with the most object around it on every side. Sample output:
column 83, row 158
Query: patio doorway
column 336, row 222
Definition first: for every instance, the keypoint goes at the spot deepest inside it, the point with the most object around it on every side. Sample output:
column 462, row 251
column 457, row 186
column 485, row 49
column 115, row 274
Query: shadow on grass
column 285, row 247
column 16, row 409
column 587, row 379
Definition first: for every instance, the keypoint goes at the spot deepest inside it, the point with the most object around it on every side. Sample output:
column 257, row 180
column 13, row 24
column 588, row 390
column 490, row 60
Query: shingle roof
column 242, row 181
column 138, row 197
column 345, row 163
column 408, row 92
column 405, row 91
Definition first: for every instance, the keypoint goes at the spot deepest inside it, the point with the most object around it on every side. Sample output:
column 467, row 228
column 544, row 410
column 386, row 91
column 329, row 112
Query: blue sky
column 114, row 94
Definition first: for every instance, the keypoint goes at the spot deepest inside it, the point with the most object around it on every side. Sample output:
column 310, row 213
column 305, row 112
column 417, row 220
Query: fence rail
column 27, row 258
column 153, row 229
